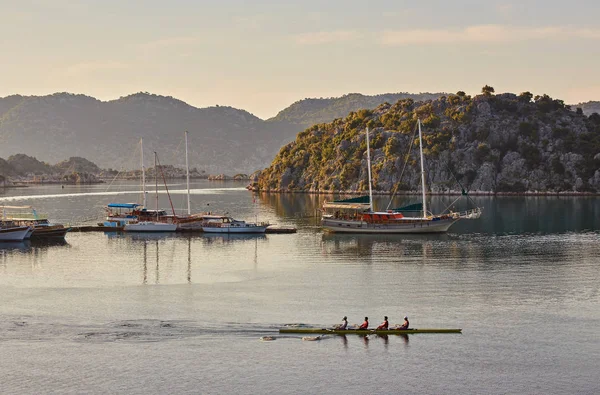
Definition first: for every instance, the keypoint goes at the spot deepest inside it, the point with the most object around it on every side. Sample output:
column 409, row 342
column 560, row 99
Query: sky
column 261, row 56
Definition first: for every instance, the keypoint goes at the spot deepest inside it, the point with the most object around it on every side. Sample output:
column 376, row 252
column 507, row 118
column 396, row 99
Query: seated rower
column 343, row 325
column 365, row 325
column 405, row 324
column 384, row 324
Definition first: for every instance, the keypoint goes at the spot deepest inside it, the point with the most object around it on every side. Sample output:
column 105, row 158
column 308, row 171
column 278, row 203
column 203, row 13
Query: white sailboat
column 357, row 215
column 150, row 226
column 226, row 224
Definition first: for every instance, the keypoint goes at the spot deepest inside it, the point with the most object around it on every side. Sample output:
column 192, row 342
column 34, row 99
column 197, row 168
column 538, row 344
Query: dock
column 98, row 228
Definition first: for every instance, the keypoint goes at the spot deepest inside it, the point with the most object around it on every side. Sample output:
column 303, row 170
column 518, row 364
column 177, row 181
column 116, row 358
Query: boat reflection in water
column 231, row 237
column 362, row 245
column 36, row 248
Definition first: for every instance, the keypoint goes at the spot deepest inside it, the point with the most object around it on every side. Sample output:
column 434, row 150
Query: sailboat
column 357, row 215
column 150, row 225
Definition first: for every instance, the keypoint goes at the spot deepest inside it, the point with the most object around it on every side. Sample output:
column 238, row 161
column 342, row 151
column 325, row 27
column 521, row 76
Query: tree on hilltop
column 487, row 90
column 526, row 97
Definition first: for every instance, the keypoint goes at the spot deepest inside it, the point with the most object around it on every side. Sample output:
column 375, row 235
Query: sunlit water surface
column 153, row 314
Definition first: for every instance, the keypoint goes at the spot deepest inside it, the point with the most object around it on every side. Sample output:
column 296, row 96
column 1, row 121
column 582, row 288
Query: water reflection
column 225, row 238
column 399, row 245
column 501, row 215
column 404, row 337
column 386, row 340
column 35, row 246
column 344, row 341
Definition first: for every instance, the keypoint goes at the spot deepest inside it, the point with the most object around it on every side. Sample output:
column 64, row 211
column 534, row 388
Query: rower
column 365, row 325
column 405, row 324
column 343, row 325
column 384, row 325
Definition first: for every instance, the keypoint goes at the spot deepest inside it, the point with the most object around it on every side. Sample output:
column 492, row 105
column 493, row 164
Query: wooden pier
column 97, row 228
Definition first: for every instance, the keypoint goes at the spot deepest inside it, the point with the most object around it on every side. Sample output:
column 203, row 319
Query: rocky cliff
column 490, row 143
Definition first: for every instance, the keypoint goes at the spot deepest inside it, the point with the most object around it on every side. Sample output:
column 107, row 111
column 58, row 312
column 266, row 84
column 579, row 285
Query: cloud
column 93, row 67
column 485, row 34
column 318, row 38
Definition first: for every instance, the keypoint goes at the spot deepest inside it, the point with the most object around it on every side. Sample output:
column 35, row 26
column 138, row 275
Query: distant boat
column 357, row 215
column 226, row 224
column 120, row 214
column 150, row 226
column 40, row 226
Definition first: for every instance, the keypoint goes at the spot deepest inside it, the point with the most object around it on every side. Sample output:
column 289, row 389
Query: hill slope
column 107, row 133
column 312, row 111
column 503, row 143
column 221, row 139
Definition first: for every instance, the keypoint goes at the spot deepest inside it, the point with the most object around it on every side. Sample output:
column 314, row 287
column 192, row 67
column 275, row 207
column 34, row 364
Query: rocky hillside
column 309, row 112
column 221, row 139
column 491, row 143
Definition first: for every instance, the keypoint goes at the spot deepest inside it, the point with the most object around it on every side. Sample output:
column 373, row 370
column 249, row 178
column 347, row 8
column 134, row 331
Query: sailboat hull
column 407, row 226
column 17, row 233
column 147, row 226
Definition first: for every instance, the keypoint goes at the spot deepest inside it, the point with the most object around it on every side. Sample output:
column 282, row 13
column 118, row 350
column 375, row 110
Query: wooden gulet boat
column 356, row 215
column 40, row 227
column 326, row 331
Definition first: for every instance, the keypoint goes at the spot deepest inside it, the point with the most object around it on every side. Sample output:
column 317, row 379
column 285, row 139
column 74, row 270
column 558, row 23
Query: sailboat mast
column 143, row 174
column 156, row 183
column 187, row 168
column 369, row 171
column 422, row 171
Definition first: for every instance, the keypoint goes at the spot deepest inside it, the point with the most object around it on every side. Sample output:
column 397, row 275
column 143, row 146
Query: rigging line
column 120, row 171
column 464, row 192
column 450, row 205
column 412, row 142
column 165, row 182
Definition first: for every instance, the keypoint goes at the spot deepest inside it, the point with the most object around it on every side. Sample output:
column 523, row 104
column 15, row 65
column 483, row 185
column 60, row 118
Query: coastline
column 415, row 193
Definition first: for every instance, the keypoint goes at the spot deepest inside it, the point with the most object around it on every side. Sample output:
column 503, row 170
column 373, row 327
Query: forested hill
column 309, row 112
column 221, row 139
column 108, row 133
column 492, row 143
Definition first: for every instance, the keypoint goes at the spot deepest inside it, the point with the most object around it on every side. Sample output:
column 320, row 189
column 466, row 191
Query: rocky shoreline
column 418, row 193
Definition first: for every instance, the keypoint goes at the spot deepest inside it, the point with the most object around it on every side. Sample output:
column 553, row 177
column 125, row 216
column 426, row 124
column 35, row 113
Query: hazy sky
column 263, row 55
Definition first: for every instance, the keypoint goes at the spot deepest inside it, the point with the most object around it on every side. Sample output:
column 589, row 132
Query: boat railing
column 470, row 214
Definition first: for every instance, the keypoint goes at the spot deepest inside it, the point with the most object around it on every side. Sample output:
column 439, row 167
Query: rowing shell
column 366, row 331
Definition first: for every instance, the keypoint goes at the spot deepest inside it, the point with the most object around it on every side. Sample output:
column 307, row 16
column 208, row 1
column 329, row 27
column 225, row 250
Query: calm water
column 110, row 313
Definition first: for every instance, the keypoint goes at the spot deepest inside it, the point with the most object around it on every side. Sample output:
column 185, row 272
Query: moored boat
column 149, row 226
column 226, row 224
column 357, row 215
column 325, row 331
column 9, row 232
column 40, row 226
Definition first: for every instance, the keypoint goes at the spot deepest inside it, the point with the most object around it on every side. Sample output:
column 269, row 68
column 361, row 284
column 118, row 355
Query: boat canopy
column 411, row 208
column 123, row 205
column 346, row 206
column 360, row 199
column 357, row 203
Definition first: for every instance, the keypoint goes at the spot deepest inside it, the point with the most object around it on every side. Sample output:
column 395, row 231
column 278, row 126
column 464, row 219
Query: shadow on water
column 33, row 245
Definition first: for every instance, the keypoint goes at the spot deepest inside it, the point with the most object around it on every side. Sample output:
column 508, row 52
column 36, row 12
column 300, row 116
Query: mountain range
column 221, row 139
